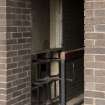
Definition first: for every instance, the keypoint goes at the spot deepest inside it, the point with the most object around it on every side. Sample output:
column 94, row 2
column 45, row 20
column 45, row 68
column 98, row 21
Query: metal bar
column 63, row 100
column 55, row 87
column 75, row 50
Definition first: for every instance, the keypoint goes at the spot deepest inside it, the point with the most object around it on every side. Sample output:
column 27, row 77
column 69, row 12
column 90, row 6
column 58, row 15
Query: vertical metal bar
column 63, row 99
column 55, row 89
column 38, row 96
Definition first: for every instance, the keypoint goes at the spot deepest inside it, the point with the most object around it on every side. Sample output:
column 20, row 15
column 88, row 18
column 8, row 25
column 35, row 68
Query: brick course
column 19, row 52
column 15, row 52
column 3, row 53
column 94, row 52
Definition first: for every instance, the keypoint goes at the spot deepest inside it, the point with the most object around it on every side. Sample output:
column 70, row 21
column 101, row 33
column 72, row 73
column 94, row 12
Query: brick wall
column 94, row 52
column 3, row 53
column 15, row 52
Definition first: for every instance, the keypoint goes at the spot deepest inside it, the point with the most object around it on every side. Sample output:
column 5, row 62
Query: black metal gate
column 70, row 78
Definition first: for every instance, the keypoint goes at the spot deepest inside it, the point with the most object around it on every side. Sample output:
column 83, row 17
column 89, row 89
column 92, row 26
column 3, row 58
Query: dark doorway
column 58, row 26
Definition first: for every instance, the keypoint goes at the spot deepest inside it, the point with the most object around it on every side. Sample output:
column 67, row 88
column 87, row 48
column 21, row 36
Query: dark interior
column 40, row 25
column 72, row 39
column 73, row 24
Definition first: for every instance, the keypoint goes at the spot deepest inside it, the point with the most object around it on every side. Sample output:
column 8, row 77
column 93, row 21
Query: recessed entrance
column 58, row 48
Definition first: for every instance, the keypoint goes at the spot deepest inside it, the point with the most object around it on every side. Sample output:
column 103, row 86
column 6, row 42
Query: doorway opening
column 58, row 52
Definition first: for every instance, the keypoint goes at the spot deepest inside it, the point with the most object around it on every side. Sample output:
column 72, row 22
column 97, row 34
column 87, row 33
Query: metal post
column 63, row 99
